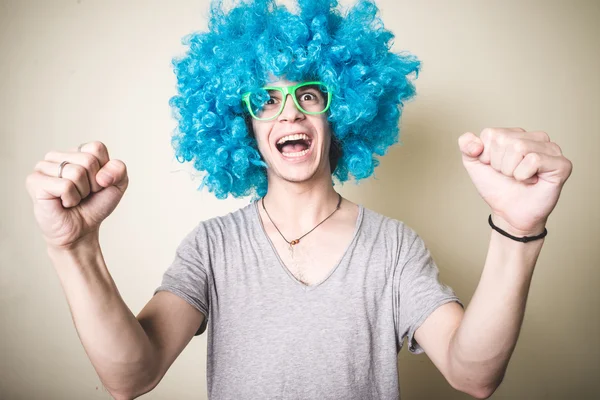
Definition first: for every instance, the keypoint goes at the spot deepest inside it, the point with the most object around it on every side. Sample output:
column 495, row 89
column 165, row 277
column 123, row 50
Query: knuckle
column 80, row 172
column 72, row 195
column 544, row 136
column 487, row 133
column 119, row 167
column 90, row 162
column 534, row 158
column 569, row 166
column 520, row 147
column 68, row 186
column 556, row 148
column 500, row 138
column 506, row 170
column 38, row 166
column 49, row 155
column 29, row 180
column 96, row 146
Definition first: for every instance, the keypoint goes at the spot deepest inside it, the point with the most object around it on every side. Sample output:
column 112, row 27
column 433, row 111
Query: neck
column 300, row 206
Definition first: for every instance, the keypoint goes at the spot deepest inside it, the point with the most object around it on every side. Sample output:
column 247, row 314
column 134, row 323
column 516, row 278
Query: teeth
column 297, row 136
column 296, row 154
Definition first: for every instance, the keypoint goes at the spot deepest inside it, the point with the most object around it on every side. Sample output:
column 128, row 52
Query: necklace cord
column 294, row 242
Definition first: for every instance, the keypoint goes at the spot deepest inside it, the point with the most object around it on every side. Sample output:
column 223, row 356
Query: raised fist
column 74, row 191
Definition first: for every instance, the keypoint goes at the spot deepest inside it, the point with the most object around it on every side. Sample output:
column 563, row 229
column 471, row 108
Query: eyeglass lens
column 310, row 98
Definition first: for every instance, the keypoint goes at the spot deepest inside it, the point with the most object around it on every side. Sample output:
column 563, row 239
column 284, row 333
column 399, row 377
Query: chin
column 299, row 177
column 310, row 170
column 295, row 173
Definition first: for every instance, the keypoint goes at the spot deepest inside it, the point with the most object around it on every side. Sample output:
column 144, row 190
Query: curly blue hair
column 257, row 39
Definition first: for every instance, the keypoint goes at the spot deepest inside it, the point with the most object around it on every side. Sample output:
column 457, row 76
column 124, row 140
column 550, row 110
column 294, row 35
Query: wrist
column 81, row 248
column 504, row 225
column 81, row 261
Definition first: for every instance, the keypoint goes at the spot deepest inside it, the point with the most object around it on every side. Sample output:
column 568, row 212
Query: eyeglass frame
column 291, row 90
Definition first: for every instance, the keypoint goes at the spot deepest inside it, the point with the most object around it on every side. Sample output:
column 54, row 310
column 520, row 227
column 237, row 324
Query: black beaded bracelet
column 523, row 239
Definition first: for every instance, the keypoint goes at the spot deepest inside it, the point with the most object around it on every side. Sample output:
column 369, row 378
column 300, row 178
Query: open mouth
column 296, row 145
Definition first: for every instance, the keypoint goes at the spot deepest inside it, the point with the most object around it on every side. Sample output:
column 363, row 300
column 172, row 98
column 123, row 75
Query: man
column 303, row 294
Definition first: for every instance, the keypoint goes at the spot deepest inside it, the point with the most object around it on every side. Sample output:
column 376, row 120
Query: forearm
column 113, row 339
column 483, row 343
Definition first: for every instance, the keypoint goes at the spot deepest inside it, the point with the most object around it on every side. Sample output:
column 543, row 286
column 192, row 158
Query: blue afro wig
column 254, row 40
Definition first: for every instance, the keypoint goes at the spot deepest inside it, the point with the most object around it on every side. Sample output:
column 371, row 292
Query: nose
column 290, row 112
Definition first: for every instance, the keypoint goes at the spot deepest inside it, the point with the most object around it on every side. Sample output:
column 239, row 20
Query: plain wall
column 76, row 71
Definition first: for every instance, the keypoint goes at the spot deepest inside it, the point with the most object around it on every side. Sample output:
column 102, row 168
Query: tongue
column 293, row 148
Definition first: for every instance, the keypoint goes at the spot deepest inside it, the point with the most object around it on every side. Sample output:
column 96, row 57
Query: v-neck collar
column 299, row 284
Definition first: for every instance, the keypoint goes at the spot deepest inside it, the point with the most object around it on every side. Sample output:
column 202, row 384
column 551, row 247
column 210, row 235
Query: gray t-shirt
column 272, row 337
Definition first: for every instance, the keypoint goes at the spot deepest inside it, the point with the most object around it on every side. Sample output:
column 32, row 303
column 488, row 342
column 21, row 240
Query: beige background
column 75, row 71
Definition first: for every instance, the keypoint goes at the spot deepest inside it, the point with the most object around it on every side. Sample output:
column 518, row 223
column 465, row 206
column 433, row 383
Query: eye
column 308, row 97
column 274, row 98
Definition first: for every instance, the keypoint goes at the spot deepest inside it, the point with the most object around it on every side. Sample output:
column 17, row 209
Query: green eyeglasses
column 267, row 104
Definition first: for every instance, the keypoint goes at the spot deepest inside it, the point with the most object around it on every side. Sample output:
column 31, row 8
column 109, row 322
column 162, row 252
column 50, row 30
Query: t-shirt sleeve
column 417, row 290
column 187, row 276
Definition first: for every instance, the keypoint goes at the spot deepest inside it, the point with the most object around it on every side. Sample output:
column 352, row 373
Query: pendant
column 292, row 244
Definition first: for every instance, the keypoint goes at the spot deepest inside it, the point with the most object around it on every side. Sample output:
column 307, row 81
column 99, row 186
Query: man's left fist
column 519, row 174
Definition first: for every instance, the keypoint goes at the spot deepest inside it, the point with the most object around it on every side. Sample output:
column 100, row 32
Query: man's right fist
column 71, row 207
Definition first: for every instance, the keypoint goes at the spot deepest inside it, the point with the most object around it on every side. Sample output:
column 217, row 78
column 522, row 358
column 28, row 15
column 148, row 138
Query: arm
column 473, row 350
column 520, row 176
column 72, row 193
column 130, row 355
